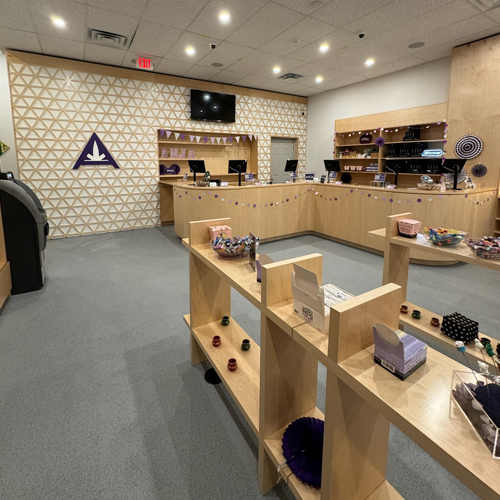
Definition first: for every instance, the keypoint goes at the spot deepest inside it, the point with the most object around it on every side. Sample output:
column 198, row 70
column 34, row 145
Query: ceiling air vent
column 107, row 39
column 290, row 76
column 485, row 5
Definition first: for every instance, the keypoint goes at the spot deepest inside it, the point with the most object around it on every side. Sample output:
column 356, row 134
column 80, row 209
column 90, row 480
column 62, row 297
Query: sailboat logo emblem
column 95, row 153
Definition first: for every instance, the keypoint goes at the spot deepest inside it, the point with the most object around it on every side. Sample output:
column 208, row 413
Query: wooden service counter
column 346, row 213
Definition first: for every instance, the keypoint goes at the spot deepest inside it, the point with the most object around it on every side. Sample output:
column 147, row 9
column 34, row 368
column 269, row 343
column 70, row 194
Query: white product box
column 312, row 302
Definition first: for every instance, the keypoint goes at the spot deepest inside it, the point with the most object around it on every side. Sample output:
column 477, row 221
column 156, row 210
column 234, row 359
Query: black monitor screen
column 450, row 163
column 211, row 106
column 291, row 165
column 197, row 166
column 237, row 166
column 332, row 165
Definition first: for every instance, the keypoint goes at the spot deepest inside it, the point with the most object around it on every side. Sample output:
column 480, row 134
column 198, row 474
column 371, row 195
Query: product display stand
column 276, row 383
column 396, row 267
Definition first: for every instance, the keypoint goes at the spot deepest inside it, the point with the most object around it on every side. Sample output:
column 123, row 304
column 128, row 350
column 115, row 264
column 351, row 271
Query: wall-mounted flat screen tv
column 212, row 106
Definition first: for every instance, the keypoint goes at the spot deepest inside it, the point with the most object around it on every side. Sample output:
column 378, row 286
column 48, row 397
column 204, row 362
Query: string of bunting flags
column 383, row 196
column 213, row 139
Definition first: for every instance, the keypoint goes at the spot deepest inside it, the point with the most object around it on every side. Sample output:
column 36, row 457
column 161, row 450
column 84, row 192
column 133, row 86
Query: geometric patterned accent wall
column 56, row 111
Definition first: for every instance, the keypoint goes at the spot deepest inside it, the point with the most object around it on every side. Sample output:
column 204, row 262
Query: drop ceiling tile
column 293, row 88
column 272, row 85
column 154, row 39
column 227, row 77
column 132, row 56
column 59, row 47
column 310, row 69
column 303, row 6
column 104, row 55
column 207, row 22
column 301, row 34
column 387, row 67
column 132, row 8
column 188, row 39
column 201, row 72
column 437, row 52
column 19, row 40
column 111, row 21
column 397, row 12
column 342, row 12
column 171, row 67
column 341, row 82
column 309, row 91
column 336, row 41
column 462, row 30
column 226, row 53
column 494, row 15
column 268, row 22
column 175, row 13
column 16, row 15
column 286, row 64
column 250, row 81
column 42, row 12
column 255, row 61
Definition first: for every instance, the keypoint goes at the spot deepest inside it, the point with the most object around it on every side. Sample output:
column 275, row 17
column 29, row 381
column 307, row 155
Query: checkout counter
column 344, row 212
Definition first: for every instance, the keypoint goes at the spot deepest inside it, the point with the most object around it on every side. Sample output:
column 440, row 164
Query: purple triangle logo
column 95, row 153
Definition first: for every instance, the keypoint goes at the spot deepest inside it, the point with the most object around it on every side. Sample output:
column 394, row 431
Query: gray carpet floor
column 98, row 399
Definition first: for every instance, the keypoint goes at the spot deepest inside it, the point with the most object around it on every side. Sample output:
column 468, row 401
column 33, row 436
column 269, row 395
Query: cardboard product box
column 312, row 302
column 398, row 352
column 222, row 231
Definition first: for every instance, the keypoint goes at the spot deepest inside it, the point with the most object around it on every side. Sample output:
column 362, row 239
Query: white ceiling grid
column 260, row 35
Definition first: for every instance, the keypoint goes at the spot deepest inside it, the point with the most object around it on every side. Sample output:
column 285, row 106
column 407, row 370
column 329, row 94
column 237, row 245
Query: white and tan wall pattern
column 55, row 112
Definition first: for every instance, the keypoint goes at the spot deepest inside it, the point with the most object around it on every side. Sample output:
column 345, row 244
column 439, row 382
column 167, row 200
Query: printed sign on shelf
column 95, row 153
column 380, row 177
column 293, row 175
column 249, row 177
column 309, row 177
column 332, row 176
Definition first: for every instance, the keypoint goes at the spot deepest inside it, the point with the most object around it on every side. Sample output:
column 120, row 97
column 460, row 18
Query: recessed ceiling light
column 323, row 48
column 60, row 23
column 319, row 79
column 276, row 69
column 370, row 62
column 224, row 17
column 190, row 51
column 416, row 45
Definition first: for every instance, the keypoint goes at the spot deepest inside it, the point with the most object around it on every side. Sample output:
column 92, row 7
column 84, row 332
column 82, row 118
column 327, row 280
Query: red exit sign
column 144, row 63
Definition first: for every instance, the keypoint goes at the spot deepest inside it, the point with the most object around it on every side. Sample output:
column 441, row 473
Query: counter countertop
column 185, row 185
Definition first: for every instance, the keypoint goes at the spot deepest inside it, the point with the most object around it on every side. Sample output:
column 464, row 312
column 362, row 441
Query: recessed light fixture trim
column 276, row 69
column 370, row 62
column 190, row 51
column 224, row 17
column 324, row 47
column 60, row 23
column 319, row 79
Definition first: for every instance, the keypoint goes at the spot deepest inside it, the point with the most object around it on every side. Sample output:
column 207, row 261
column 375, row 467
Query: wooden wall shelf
column 276, row 384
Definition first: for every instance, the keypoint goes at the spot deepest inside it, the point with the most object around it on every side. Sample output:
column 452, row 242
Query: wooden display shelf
column 356, row 159
column 415, row 142
column 359, row 172
column 273, row 445
column 178, row 159
column 244, row 383
column 424, row 327
column 413, row 173
column 412, row 158
column 352, row 145
column 420, row 407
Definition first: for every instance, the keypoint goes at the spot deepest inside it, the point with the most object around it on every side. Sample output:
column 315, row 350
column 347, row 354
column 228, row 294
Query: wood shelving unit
column 396, row 268
column 392, row 135
column 276, row 384
column 216, row 155
column 5, row 278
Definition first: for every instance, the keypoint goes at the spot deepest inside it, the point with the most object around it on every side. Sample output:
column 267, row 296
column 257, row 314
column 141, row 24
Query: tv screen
column 211, row 106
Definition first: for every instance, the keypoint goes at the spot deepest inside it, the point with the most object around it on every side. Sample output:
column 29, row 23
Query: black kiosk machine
column 291, row 166
column 237, row 167
column 25, row 229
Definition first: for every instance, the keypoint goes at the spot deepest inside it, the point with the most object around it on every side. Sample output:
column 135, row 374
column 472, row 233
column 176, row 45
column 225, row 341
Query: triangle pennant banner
column 230, row 139
column 224, row 139
column 182, row 136
column 244, row 138
column 237, row 139
column 176, row 135
column 191, row 137
column 162, row 132
column 205, row 139
column 95, row 153
column 168, row 133
column 212, row 139
column 250, row 136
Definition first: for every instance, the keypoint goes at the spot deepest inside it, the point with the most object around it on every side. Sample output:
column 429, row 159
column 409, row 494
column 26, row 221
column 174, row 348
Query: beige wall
column 56, row 110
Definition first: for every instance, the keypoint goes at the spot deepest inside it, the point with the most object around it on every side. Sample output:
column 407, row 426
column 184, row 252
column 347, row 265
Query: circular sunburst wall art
column 479, row 170
column 468, row 146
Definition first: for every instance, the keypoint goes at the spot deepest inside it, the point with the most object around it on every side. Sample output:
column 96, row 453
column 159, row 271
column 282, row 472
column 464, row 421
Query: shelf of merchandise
column 277, row 384
column 357, row 159
column 5, row 277
column 412, row 158
column 396, row 267
column 413, row 142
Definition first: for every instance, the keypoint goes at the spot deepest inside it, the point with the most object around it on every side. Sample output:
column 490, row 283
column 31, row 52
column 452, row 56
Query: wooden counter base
column 344, row 213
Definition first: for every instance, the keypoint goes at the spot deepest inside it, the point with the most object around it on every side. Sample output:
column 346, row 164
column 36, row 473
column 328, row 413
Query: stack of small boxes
column 459, row 327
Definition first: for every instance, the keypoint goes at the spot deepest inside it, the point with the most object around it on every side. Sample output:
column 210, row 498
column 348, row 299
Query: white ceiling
column 260, row 35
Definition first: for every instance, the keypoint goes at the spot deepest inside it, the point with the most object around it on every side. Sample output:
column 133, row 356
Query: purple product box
column 398, row 352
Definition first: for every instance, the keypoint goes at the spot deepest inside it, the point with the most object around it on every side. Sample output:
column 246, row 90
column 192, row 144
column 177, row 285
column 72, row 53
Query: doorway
column 281, row 151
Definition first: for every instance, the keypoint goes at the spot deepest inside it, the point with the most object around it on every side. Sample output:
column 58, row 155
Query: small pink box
column 409, row 227
column 347, row 168
column 219, row 231
column 360, row 168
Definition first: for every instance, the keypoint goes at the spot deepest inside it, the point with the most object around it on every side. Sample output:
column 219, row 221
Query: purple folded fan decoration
column 303, row 449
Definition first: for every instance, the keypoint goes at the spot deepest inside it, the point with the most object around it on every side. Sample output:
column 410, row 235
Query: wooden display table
column 277, row 383
column 345, row 213
column 396, row 268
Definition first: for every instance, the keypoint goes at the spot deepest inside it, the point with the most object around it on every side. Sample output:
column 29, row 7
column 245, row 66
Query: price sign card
column 379, row 177
column 249, row 177
column 293, row 175
column 309, row 177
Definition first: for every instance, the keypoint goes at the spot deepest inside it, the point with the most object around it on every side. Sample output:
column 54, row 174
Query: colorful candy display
column 238, row 246
column 487, row 248
column 444, row 237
